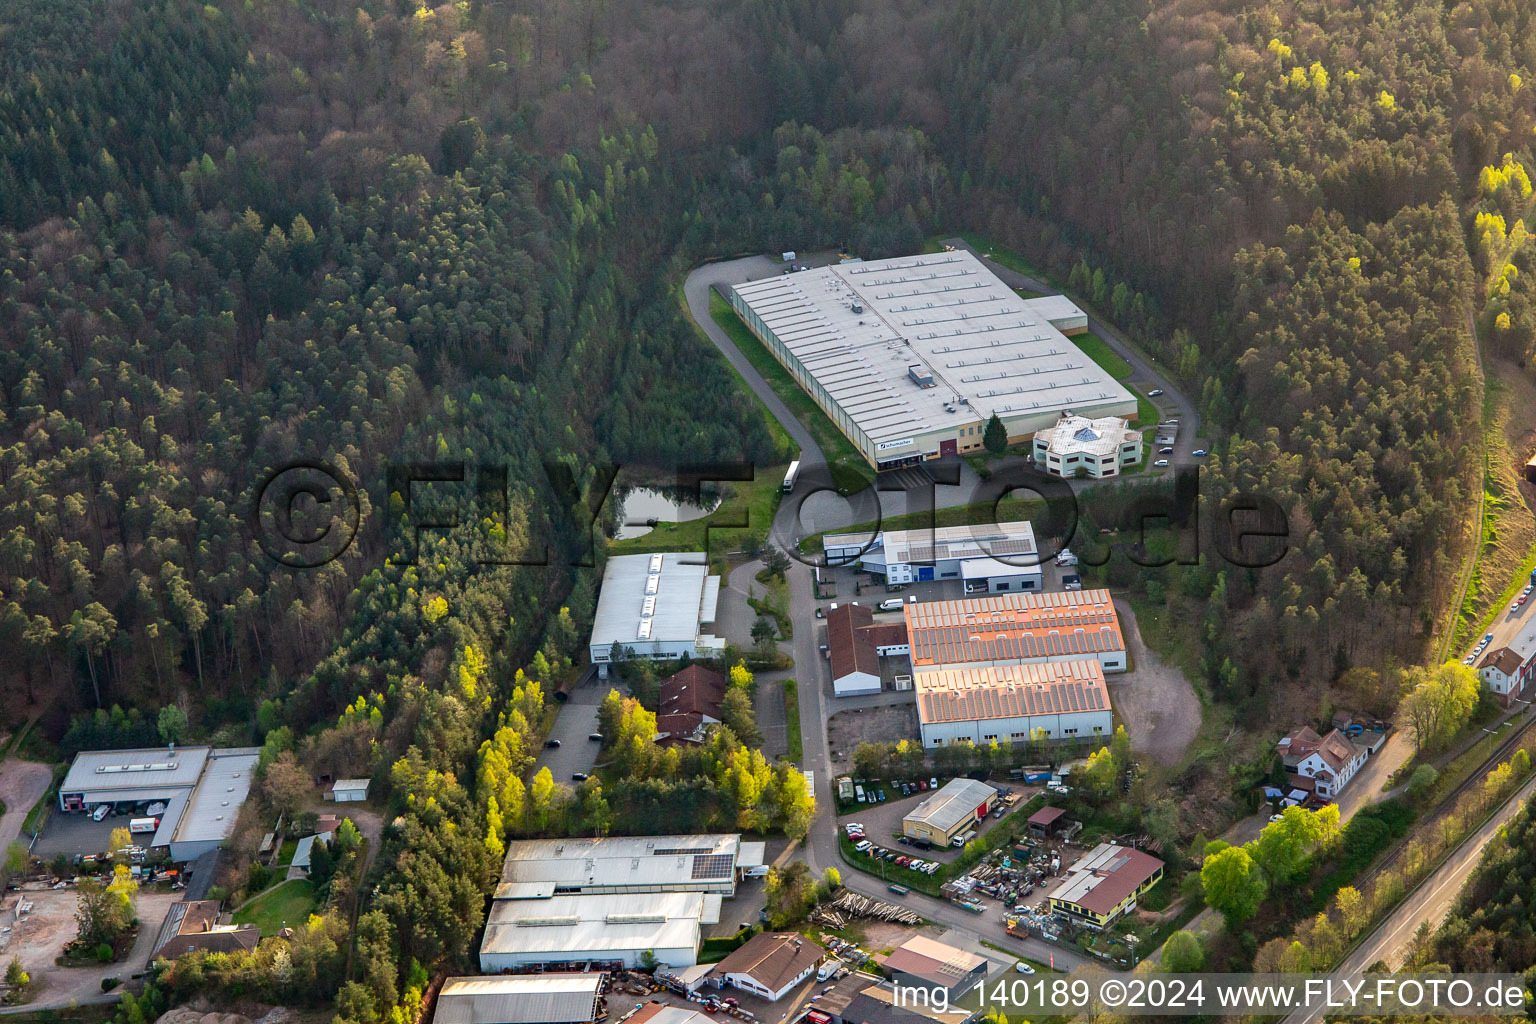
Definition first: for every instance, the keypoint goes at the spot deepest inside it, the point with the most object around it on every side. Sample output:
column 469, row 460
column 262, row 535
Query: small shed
column 1045, row 821
column 345, row 791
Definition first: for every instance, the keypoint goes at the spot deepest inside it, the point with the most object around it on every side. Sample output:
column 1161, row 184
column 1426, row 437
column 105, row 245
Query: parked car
column 1276, row 817
column 904, row 840
column 933, row 783
column 1160, row 463
column 551, row 744
column 1199, row 453
column 1154, row 392
column 597, row 736
column 578, row 776
column 1165, row 451
column 1021, row 966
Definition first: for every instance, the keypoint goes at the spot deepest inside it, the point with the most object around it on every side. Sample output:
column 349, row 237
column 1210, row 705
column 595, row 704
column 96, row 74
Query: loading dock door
column 924, row 572
column 948, row 447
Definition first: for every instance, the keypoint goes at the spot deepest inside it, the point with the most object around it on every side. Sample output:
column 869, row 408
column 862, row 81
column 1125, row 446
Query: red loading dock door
column 947, row 447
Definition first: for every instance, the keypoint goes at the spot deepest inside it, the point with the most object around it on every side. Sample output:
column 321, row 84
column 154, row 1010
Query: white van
column 891, row 604
column 858, row 791
column 100, row 812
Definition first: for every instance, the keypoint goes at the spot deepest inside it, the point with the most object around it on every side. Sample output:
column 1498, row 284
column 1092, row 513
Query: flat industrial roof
column 215, row 802
column 991, row 568
column 1010, row 691
column 519, row 999
column 149, row 769
column 987, row 349
column 956, row 800
column 624, row 861
column 1104, row 876
column 1056, row 309
column 1013, row 540
column 1013, row 627
column 599, row 922
column 672, row 598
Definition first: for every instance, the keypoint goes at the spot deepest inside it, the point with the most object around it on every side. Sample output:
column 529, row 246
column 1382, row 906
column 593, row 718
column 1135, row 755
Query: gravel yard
column 1160, row 708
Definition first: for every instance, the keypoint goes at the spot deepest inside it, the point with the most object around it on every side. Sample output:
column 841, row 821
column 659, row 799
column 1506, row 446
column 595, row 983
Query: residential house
column 689, row 701
column 1329, row 761
column 771, row 964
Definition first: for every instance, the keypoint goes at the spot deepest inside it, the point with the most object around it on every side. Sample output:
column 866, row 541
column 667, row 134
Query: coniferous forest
column 233, row 235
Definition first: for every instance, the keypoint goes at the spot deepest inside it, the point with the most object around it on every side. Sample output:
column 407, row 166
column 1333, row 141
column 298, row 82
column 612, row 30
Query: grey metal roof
column 519, row 999
column 620, row 862
column 956, row 800
column 600, row 923
column 150, row 769
column 215, row 802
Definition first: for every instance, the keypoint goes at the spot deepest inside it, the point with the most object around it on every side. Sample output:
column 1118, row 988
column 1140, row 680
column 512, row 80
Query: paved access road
column 820, row 849
column 1430, row 902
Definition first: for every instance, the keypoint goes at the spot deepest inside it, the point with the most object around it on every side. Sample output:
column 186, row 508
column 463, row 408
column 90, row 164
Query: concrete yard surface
column 42, row 934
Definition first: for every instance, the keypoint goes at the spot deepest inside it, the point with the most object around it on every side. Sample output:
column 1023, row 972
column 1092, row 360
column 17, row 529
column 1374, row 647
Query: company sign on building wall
column 888, row 445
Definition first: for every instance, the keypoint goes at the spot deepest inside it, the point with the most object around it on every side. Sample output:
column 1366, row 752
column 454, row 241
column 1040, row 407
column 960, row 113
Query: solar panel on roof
column 713, row 865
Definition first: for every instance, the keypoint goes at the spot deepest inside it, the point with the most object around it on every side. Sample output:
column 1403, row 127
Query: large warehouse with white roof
column 911, row 356
column 628, row 864
column 602, row 930
column 656, row 606
column 606, row 901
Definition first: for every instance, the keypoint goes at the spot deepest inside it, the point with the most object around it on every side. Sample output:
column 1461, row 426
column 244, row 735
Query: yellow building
column 1105, row 883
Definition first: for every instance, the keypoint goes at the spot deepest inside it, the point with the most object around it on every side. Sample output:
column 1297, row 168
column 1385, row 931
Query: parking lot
column 882, row 821
column 574, row 723
column 74, row 833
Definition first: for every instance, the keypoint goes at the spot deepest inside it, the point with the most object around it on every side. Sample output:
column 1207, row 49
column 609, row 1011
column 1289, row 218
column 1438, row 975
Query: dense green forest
column 236, row 235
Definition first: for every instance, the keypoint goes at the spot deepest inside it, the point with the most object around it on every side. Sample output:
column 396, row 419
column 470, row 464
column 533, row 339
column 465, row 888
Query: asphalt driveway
column 573, row 724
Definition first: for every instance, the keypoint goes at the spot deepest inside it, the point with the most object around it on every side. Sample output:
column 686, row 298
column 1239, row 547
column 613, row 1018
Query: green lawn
column 849, row 469
column 290, row 903
column 792, row 718
column 1100, row 352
